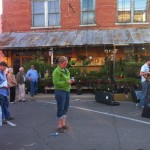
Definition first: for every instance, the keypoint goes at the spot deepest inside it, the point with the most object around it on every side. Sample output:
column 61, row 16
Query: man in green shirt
column 62, row 85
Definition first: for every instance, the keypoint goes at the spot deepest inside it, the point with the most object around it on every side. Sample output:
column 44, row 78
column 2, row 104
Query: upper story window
column 45, row 13
column 87, row 12
column 132, row 11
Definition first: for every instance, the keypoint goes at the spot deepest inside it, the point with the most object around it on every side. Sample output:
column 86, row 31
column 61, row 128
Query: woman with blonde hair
column 62, row 85
column 12, row 83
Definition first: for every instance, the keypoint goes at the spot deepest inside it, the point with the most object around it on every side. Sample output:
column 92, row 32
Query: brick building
column 94, row 28
column 1, row 53
column 0, row 25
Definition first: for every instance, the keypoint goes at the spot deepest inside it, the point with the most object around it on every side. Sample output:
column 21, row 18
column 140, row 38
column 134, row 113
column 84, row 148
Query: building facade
column 1, row 53
column 93, row 28
column 37, row 15
column 0, row 25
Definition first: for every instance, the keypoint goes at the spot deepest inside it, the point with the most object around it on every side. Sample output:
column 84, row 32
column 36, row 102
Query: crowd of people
column 8, row 83
column 62, row 85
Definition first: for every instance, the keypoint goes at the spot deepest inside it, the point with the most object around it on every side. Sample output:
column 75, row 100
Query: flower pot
column 79, row 92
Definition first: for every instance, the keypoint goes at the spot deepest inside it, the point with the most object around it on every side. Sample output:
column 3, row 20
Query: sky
column 0, row 7
column 138, row 4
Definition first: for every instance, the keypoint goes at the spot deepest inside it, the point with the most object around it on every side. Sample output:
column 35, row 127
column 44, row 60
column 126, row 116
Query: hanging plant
column 82, row 57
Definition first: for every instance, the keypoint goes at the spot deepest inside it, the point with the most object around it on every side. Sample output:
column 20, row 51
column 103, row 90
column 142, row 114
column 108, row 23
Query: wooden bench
column 48, row 89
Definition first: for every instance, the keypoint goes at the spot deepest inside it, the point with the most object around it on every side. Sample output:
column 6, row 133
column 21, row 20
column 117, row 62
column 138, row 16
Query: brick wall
column 2, row 57
column 0, row 25
column 17, row 16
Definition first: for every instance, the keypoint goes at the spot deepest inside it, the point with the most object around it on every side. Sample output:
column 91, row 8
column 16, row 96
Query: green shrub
column 40, row 66
column 93, row 73
column 74, row 71
column 132, row 69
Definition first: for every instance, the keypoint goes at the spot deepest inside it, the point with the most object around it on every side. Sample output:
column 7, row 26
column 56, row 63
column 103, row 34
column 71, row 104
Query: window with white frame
column 87, row 12
column 45, row 13
column 132, row 11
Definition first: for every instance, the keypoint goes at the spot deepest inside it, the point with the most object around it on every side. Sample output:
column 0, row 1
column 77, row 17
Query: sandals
column 61, row 130
column 66, row 127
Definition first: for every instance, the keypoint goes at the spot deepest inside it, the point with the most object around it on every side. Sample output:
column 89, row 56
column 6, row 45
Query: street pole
column 52, row 55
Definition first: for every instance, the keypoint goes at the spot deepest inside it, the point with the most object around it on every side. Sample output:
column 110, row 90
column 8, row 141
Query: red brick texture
column 0, row 24
column 17, row 16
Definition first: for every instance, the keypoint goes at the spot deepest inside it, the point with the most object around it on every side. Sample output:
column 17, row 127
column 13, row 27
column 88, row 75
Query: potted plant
column 86, row 62
column 80, row 82
column 79, row 87
column 73, row 62
column 92, row 82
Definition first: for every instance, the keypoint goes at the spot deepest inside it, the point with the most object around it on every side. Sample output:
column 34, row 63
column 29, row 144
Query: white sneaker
column 138, row 106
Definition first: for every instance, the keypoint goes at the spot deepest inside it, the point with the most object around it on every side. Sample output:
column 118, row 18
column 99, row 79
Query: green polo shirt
column 60, row 79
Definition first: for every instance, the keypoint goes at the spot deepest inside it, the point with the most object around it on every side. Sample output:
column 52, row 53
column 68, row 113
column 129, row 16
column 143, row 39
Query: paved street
column 95, row 126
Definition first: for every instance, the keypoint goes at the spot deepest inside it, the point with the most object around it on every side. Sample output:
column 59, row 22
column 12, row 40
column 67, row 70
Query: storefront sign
column 97, row 61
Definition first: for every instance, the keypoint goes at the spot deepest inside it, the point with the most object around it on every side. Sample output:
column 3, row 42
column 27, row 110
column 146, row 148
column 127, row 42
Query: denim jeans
column 62, row 98
column 5, row 105
column 33, row 87
column 148, row 94
column 145, row 95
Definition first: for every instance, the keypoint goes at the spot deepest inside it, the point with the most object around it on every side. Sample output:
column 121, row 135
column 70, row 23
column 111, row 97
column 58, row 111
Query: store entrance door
column 16, row 65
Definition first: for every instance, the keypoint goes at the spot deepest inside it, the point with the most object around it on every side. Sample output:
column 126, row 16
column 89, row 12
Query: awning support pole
column 114, row 63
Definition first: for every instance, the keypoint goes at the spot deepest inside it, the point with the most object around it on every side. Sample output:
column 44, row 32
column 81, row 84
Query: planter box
column 122, row 97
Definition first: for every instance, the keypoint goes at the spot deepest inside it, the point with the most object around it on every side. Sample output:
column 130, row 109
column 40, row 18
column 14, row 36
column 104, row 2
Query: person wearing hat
column 145, row 75
column 62, row 84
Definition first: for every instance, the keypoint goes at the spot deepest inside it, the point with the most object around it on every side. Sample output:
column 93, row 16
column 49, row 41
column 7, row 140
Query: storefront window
column 124, row 11
column 130, row 11
column 87, row 12
column 38, row 14
column 45, row 13
column 140, row 10
column 53, row 13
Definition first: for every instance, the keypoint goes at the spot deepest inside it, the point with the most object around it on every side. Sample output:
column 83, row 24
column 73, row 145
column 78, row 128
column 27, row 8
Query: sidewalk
column 73, row 96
